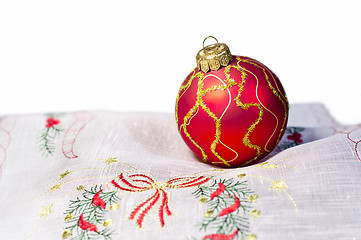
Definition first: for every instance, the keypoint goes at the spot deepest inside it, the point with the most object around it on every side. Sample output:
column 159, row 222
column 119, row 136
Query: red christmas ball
column 233, row 116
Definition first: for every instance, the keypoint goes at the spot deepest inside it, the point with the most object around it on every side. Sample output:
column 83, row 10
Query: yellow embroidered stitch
column 272, row 165
column 159, row 184
column 69, row 217
column 111, row 160
column 68, row 172
column 66, row 234
column 208, row 213
column 45, row 211
column 203, row 200
column 108, row 222
column 252, row 198
column 64, row 174
column 278, row 185
column 267, row 165
column 255, row 213
column 55, row 187
column 252, row 237
column 114, row 206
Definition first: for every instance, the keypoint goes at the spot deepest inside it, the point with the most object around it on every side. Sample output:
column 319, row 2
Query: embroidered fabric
column 110, row 175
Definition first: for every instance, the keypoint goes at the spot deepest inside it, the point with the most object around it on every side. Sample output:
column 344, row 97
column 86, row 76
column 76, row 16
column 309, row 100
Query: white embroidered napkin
column 109, row 175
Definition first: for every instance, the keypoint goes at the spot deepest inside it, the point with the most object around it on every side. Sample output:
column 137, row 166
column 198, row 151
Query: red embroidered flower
column 51, row 122
column 221, row 236
column 97, row 201
column 87, row 225
column 296, row 137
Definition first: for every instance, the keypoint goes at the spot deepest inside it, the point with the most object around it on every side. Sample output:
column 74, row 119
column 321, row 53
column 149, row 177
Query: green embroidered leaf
column 86, row 216
column 227, row 207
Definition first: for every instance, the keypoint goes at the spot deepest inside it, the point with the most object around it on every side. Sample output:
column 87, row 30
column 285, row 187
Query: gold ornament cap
column 212, row 57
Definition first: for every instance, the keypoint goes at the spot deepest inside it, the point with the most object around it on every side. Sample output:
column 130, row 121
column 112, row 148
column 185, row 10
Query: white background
column 133, row 55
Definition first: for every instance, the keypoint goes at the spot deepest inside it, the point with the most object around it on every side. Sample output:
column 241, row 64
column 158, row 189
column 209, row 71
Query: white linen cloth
column 109, row 175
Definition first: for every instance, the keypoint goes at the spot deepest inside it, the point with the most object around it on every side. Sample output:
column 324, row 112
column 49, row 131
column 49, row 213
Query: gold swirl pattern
column 185, row 88
column 226, row 84
column 278, row 94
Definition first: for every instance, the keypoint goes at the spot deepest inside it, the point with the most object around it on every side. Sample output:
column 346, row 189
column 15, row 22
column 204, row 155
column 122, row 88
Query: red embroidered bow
column 144, row 182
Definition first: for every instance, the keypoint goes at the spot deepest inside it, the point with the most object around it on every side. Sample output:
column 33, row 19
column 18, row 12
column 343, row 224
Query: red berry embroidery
column 219, row 191
column 47, row 138
column 50, row 122
column 224, row 213
column 87, row 225
column 296, row 137
column 88, row 213
column 221, row 236
column 231, row 208
column 97, row 201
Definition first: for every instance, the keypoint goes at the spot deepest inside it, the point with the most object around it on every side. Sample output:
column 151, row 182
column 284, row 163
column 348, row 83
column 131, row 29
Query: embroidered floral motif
column 228, row 209
column 140, row 182
column 296, row 137
column 86, row 217
column 293, row 138
column 71, row 134
column 278, row 186
column 46, row 139
column 50, row 122
column 52, row 130
column 230, row 204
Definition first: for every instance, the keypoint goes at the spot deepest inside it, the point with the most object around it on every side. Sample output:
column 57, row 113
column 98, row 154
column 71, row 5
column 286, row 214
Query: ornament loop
column 210, row 37
column 213, row 57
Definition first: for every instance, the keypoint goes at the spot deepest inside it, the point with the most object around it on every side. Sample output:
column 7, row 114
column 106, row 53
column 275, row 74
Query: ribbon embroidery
column 144, row 182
